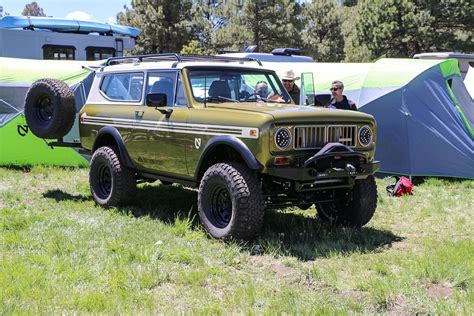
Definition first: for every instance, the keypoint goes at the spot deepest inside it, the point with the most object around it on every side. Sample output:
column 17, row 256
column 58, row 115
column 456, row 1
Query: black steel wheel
column 111, row 183
column 230, row 202
column 50, row 108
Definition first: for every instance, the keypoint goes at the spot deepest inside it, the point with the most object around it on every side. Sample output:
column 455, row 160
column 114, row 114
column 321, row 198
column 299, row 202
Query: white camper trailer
column 64, row 39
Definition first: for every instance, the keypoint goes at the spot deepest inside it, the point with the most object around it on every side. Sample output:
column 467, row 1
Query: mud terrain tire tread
column 359, row 211
column 123, row 179
column 247, row 201
column 62, row 105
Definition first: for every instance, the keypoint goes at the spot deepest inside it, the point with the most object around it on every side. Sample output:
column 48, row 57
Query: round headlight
column 283, row 138
column 365, row 136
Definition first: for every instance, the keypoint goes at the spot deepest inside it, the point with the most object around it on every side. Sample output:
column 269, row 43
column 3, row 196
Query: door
column 159, row 132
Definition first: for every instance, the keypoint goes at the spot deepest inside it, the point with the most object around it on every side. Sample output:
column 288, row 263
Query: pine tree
column 165, row 25
column 322, row 32
column 264, row 23
column 390, row 28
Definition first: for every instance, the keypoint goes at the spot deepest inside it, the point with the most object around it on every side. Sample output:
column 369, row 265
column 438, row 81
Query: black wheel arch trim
column 112, row 131
column 236, row 144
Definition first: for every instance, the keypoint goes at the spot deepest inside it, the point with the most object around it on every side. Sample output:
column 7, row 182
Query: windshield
column 236, row 85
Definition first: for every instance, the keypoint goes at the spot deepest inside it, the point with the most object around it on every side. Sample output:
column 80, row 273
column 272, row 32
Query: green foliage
column 322, row 31
column 266, row 24
column 192, row 48
column 356, row 31
column 165, row 25
column 33, row 9
column 392, row 28
column 402, row 28
column 452, row 24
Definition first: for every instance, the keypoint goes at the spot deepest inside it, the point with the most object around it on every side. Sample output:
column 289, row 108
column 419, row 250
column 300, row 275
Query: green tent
column 422, row 108
column 18, row 146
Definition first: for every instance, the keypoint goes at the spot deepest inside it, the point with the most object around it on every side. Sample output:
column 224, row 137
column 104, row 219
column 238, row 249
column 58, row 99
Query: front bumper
column 336, row 166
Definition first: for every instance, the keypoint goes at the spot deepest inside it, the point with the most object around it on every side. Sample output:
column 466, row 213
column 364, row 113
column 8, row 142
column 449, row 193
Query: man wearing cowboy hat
column 288, row 79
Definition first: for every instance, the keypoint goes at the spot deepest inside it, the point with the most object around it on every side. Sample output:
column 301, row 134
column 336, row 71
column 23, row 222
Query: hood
column 291, row 114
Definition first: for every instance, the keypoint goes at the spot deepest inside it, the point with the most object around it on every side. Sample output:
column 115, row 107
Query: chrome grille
column 307, row 137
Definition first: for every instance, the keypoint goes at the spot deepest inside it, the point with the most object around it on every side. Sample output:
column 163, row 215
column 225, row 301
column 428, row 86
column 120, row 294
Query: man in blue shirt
column 339, row 101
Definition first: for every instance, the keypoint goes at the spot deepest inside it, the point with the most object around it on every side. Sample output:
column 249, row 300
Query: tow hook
column 350, row 169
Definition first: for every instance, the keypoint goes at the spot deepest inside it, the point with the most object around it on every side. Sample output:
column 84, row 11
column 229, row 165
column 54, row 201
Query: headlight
column 283, row 138
column 365, row 136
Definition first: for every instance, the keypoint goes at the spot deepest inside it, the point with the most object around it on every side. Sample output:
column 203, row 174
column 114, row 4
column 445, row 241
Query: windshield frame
column 275, row 83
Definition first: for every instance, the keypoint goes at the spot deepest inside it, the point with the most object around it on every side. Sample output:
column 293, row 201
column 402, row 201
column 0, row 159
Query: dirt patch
column 277, row 267
column 439, row 290
column 399, row 306
column 402, row 246
column 351, row 294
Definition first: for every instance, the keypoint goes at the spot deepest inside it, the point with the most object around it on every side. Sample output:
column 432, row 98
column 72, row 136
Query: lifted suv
column 200, row 121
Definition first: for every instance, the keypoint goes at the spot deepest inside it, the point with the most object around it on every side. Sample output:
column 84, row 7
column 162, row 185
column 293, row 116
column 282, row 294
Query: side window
column 180, row 95
column 59, row 52
column 98, row 53
column 162, row 82
column 123, row 87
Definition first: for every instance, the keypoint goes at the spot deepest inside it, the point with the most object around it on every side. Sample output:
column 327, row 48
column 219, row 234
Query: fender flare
column 235, row 143
column 112, row 131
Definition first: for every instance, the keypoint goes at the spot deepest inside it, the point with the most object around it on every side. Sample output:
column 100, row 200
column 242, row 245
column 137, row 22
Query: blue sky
column 94, row 10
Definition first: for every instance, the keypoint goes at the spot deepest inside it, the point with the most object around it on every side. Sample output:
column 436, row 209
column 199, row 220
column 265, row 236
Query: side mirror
column 156, row 99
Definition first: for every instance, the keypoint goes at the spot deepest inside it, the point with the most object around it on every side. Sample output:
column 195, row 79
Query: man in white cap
column 288, row 79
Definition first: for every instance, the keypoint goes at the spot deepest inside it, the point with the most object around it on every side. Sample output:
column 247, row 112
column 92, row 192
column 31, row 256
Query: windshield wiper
column 219, row 99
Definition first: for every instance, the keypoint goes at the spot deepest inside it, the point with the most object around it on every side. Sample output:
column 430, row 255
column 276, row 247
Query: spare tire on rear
column 50, row 108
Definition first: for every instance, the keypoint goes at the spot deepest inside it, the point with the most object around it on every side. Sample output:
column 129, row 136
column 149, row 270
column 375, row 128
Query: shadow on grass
column 284, row 232
column 25, row 168
column 307, row 238
column 60, row 195
column 163, row 202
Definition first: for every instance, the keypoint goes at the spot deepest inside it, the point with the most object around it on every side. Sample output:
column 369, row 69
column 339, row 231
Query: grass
column 60, row 253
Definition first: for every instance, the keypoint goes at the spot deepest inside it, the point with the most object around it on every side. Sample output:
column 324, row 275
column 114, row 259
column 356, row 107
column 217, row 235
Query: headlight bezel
column 365, row 129
column 288, row 137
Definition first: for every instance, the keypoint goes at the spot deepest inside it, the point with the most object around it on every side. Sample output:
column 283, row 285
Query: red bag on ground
column 401, row 187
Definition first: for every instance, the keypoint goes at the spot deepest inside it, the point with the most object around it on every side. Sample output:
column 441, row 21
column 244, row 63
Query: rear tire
column 356, row 210
column 230, row 202
column 50, row 108
column 111, row 183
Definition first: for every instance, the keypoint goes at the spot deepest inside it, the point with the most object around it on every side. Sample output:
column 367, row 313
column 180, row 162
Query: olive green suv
column 224, row 125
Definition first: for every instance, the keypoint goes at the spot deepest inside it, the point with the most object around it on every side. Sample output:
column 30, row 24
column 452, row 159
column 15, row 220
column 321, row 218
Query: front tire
column 230, row 202
column 356, row 210
column 111, row 183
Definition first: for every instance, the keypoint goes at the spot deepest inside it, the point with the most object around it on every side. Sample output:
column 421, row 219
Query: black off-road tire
column 356, row 210
column 111, row 183
column 50, row 108
column 230, row 202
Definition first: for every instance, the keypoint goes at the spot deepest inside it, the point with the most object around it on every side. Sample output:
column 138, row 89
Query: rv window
column 59, row 52
column 98, row 53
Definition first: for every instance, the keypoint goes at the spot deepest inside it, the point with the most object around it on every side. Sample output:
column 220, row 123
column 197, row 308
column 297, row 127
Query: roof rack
column 175, row 57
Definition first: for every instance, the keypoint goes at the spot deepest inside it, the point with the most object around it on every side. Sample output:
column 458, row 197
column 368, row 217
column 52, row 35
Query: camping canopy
column 425, row 116
column 18, row 146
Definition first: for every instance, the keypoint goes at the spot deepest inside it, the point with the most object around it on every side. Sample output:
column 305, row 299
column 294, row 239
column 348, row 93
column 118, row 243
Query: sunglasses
column 285, row 80
column 334, row 89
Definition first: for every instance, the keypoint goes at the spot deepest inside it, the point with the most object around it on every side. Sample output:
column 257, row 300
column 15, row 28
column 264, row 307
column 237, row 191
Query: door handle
column 139, row 113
